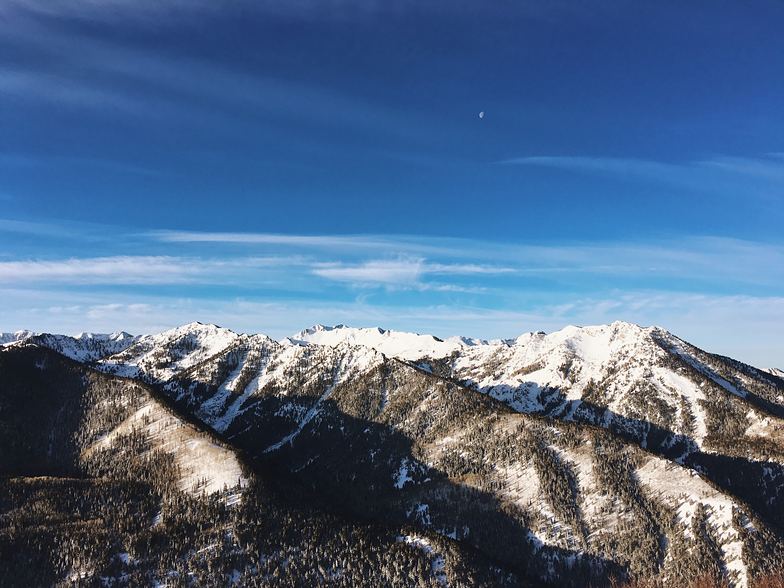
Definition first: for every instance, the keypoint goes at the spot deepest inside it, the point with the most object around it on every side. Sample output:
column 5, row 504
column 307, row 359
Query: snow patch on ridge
column 204, row 466
column 684, row 490
column 437, row 564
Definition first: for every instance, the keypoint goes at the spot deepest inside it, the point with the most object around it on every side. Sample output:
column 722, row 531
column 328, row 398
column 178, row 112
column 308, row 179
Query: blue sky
column 267, row 165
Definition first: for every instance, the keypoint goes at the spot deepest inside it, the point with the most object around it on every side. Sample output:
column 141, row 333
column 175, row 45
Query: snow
column 765, row 426
column 350, row 362
column 681, row 348
column 182, row 348
column 416, row 541
column 209, row 411
column 403, row 474
column 521, row 485
column 518, row 371
column 408, row 346
column 437, row 562
column 203, row 465
column 10, row 338
column 233, row 411
column 622, row 356
column 523, row 372
column 683, row 489
column 592, row 347
column 84, row 347
column 233, row 498
column 420, row 514
column 596, row 505
column 312, row 412
column 674, row 383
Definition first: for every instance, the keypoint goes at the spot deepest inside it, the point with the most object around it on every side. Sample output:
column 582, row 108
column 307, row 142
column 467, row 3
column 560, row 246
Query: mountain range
column 346, row 456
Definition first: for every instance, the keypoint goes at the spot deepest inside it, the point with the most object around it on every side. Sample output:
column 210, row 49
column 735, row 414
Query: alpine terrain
column 344, row 456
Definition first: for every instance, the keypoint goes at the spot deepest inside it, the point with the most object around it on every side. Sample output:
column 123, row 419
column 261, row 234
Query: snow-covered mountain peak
column 318, row 328
column 400, row 344
column 116, row 336
column 85, row 347
column 775, row 372
column 470, row 341
column 525, row 338
column 7, row 338
column 614, row 329
column 194, row 327
column 208, row 337
column 165, row 354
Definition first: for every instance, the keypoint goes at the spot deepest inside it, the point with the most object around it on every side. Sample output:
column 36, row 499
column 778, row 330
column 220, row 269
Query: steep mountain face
column 570, row 457
column 718, row 417
column 394, row 419
column 644, row 380
column 112, row 487
column 98, row 458
column 634, row 372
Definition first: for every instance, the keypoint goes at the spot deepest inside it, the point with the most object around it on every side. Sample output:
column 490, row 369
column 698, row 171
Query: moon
column 482, row 114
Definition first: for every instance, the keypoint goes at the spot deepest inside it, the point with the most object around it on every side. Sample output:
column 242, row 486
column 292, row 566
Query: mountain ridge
column 537, row 445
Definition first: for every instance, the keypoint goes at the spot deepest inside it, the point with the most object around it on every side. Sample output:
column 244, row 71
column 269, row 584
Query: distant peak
column 200, row 326
column 319, row 328
column 627, row 325
column 117, row 336
column 619, row 328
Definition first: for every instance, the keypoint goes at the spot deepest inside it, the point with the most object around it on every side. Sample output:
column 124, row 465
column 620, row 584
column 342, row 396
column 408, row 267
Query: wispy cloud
column 390, row 244
column 142, row 270
column 402, row 259
column 702, row 288
column 86, row 73
column 703, row 173
column 611, row 165
column 155, row 10
column 387, row 259
column 38, row 228
column 364, row 241
column 29, row 160
column 692, row 257
column 64, row 90
column 107, row 270
column 373, row 272
column 771, row 166
column 401, row 272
